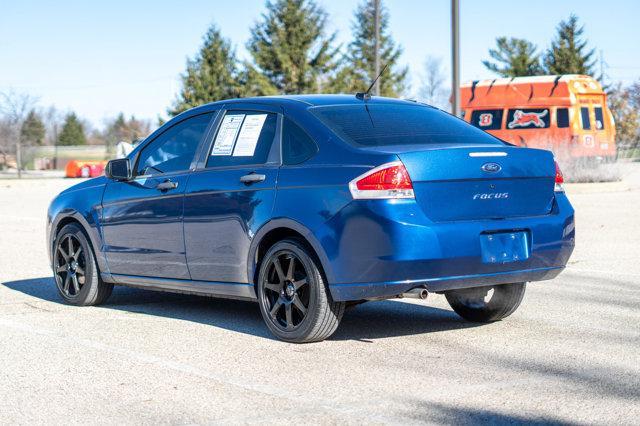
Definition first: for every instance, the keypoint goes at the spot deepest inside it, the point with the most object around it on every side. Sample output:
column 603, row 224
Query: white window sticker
column 249, row 135
column 223, row 144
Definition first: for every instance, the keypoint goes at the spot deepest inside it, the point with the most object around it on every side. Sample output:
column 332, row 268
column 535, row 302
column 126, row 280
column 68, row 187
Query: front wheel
column 486, row 304
column 294, row 300
column 75, row 269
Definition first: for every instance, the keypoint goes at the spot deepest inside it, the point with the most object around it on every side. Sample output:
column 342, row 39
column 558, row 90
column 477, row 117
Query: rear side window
column 374, row 124
column 562, row 117
column 599, row 118
column 243, row 137
column 174, row 149
column 297, row 146
column 584, row 116
column 487, row 119
column 528, row 118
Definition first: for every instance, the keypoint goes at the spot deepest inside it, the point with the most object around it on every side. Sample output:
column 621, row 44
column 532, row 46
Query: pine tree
column 211, row 76
column 72, row 131
column 290, row 49
column 568, row 53
column 359, row 69
column 121, row 129
column 514, row 57
column 32, row 131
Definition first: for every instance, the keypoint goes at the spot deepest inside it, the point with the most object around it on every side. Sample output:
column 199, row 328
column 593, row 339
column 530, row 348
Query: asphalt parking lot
column 571, row 353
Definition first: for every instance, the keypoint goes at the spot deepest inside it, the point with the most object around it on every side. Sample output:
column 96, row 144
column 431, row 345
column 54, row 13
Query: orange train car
column 566, row 114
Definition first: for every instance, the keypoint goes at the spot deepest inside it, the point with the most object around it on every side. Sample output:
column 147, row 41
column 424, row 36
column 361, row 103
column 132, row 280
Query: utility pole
column 376, row 88
column 455, row 57
column 19, row 157
column 55, row 146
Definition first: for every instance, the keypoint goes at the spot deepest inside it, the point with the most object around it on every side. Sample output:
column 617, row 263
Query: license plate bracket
column 504, row 247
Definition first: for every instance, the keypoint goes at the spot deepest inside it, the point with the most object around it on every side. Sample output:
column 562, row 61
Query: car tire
column 486, row 304
column 75, row 270
column 294, row 299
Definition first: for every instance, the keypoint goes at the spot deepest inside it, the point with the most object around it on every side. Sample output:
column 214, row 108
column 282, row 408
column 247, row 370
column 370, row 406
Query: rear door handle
column 252, row 178
column 167, row 185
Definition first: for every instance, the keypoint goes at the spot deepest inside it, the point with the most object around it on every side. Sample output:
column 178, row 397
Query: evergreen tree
column 290, row 49
column 32, row 131
column 211, row 76
column 72, row 131
column 568, row 53
column 359, row 69
column 121, row 129
column 514, row 57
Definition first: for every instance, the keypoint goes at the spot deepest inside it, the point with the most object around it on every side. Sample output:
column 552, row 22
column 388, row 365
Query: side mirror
column 119, row 169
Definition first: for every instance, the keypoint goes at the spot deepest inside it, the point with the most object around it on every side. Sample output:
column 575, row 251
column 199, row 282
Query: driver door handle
column 252, row 178
column 167, row 185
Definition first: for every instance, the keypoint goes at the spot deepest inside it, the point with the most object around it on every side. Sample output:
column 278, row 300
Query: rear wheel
column 75, row 269
column 486, row 304
column 294, row 300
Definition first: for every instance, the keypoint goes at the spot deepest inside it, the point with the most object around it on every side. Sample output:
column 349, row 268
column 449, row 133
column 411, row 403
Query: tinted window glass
column 599, row 118
column 584, row 115
column 562, row 117
column 174, row 149
column 297, row 146
column 243, row 137
column 393, row 124
column 528, row 118
column 487, row 119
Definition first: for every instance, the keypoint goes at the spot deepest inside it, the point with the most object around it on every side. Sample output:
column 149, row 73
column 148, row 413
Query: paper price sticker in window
column 249, row 135
column 226, row 137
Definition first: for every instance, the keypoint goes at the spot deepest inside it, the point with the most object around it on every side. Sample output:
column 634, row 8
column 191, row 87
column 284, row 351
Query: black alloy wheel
column 287, row 293
column 294, row 299
column 70, row 265
column 75, row 269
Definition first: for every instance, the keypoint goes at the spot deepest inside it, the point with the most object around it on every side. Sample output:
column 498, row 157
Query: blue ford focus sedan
column 308, row 204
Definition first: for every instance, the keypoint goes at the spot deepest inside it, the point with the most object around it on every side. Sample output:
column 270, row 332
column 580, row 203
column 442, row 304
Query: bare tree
column 14, row 108
column 432, row 83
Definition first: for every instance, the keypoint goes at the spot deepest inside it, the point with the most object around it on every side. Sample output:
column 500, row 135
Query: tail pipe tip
column 416, row 293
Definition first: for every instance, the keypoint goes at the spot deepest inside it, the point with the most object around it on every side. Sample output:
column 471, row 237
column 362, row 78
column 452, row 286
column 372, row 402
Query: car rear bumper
column 359, row 291
column 389, row 247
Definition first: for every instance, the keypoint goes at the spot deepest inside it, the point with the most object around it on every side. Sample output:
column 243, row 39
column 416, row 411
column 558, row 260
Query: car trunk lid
column 475, row 183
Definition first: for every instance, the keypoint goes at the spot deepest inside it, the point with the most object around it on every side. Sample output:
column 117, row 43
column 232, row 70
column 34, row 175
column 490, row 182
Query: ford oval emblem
column 491, row 167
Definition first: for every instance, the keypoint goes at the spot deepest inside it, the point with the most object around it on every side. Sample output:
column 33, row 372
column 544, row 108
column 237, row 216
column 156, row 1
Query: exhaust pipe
column 416, row 293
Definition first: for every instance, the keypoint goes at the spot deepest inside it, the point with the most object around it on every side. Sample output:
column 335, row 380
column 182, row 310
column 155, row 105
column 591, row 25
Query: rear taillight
column 390, row 180
column 559, row 179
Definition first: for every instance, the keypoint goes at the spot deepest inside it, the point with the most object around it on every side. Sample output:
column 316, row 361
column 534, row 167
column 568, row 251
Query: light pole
column 376, row 89
column 455, row 57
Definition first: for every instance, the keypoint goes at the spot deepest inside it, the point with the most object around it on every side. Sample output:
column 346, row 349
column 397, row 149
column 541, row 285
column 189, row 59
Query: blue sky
column 99, row 58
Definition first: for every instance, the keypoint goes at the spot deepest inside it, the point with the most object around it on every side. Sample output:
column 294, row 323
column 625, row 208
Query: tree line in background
column 291, row 52
column 25, row 125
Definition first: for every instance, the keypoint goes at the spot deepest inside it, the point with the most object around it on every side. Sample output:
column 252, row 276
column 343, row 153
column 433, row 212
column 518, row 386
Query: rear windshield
column 389, row 124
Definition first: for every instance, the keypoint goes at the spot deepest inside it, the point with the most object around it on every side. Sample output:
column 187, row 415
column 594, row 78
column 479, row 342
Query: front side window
column 599, row 118
column 562, row 117
column 174, row 149
column 243, row 137
column 364, row 125
column 584, row 116
column 487, row 119
column 297, row 146
column 528, row 118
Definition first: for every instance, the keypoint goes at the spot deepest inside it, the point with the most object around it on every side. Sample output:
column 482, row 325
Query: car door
column 142, row 218
column 231, row 194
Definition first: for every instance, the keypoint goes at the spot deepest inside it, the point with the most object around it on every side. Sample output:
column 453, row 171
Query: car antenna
column 366, row 95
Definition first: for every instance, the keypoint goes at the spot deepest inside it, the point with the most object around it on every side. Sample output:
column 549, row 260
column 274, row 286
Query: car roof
column 312, row 100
